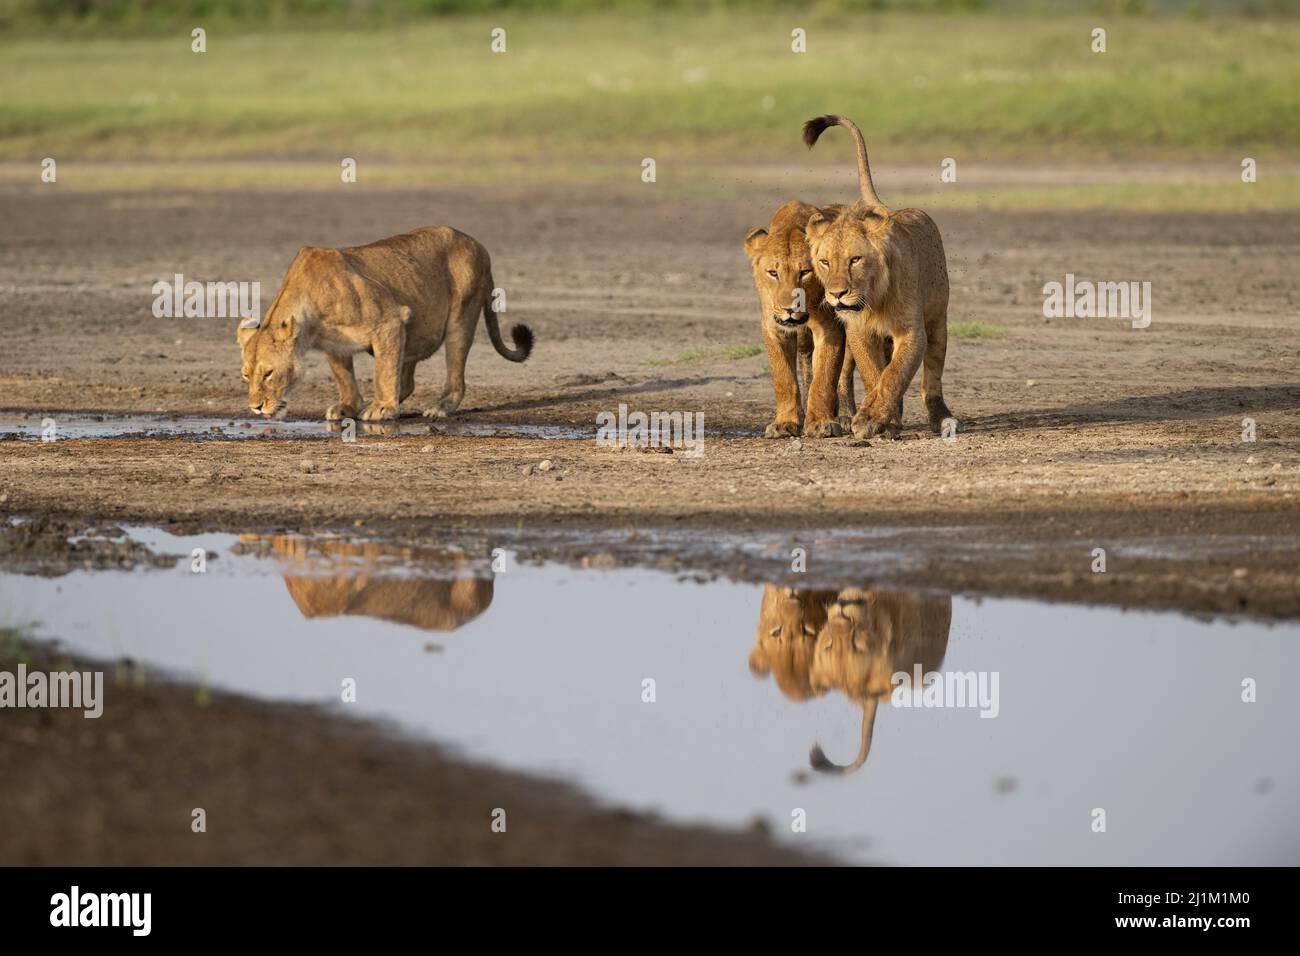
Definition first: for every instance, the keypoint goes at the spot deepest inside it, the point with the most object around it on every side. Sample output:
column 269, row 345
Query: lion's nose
column 838, row 295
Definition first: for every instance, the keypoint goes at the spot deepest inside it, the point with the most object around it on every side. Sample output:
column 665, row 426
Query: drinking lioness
column 398, row 299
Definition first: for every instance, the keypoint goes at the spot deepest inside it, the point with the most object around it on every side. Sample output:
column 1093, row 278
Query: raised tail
column 815, row 127
column 819, row 761
column 521, row 335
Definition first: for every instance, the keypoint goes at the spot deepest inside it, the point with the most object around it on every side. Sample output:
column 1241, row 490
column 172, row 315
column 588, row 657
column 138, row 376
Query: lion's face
column 853, row 651
column 850, row 257
column 270, row 364
column 788, row 622
column 783, row 274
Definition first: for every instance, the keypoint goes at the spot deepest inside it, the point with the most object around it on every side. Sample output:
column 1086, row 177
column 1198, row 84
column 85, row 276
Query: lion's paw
column 779, row 429
column 829, row 428
column 336, row 413
column 441, row 409
column 378, row 412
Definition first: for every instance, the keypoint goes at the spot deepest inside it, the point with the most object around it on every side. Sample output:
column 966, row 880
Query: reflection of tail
column 522, row 335
column 818, row 758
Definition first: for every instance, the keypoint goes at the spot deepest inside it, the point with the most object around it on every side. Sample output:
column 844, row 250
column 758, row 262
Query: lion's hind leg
column 408, row 379
column 936, row 349
column 460, row 336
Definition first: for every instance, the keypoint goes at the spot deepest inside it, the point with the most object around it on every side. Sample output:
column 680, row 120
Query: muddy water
column 55, row 427
column 545, row 668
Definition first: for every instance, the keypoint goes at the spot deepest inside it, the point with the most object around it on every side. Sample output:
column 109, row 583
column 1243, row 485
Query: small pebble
column 308, row 466
column 545, row 465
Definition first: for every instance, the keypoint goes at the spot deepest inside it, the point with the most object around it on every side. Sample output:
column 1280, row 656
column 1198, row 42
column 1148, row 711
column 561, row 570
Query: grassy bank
column 669, row 85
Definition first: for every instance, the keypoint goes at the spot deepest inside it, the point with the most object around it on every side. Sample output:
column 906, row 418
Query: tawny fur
column 399, row 299
column 366, row 588
column 805, row 345
column 852, row 641
column 869, row 636
column 885, row 277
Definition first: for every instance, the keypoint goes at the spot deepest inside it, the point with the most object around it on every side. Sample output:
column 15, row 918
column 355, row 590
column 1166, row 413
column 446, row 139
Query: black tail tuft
column 815, row 127
column 818, row 760
column 522, row 336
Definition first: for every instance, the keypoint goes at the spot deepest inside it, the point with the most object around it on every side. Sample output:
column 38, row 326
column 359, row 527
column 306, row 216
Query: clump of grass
column 690, row 355
column 975, row 330
column 742, row 351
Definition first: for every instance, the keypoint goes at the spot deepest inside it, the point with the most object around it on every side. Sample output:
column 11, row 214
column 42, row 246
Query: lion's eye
column 772, row 273
column 267, row 374
column 825, row 263
column 804, row 273
column 244, row 376
column 855, row 260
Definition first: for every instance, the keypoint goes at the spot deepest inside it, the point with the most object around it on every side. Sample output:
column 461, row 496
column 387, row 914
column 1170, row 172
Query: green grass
column 690, row 355
column 975, row 330
column 605, row 88
column 732, row 352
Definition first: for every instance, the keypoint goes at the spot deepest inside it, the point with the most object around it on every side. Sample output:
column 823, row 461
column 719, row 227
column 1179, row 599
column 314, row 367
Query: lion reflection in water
column 369, row 588
column 852, row 640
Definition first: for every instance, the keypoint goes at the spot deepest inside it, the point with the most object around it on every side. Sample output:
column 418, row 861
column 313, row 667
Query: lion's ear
column 753, row 240
column 817, row 226
column 758, row 663
column 868, row 214
column 247, row 328
column 285, row 329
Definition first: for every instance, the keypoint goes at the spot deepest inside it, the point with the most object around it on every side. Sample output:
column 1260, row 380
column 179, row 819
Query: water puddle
column 72, row 426
column 703, row 701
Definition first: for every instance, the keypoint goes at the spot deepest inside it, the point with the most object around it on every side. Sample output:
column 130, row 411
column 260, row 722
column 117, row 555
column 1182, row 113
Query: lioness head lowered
column 271, row 361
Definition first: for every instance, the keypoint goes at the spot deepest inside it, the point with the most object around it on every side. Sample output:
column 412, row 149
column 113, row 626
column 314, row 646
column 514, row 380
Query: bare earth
column 1075, row 433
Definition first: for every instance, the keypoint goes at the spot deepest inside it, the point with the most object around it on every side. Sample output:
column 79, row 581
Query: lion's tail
column 815, row 127
column 819, row 761
column 521, row 335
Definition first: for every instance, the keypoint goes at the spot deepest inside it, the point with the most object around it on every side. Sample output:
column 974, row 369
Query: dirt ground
column 1074, row 434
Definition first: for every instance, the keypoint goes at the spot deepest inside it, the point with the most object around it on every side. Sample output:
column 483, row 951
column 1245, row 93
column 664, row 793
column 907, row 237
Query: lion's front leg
column 349, row 402
column 781, row 358
column 847, row 403
column 388, row 344
column 823, row 398
column 882, row 408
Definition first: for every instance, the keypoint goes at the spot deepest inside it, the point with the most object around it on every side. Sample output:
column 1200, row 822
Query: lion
column 789, row 620
column 398, row 299
column 797, row 330
column 869, row 636
column 885, row 278
column 431, row 604
column 852, row 640
column 328, row 578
